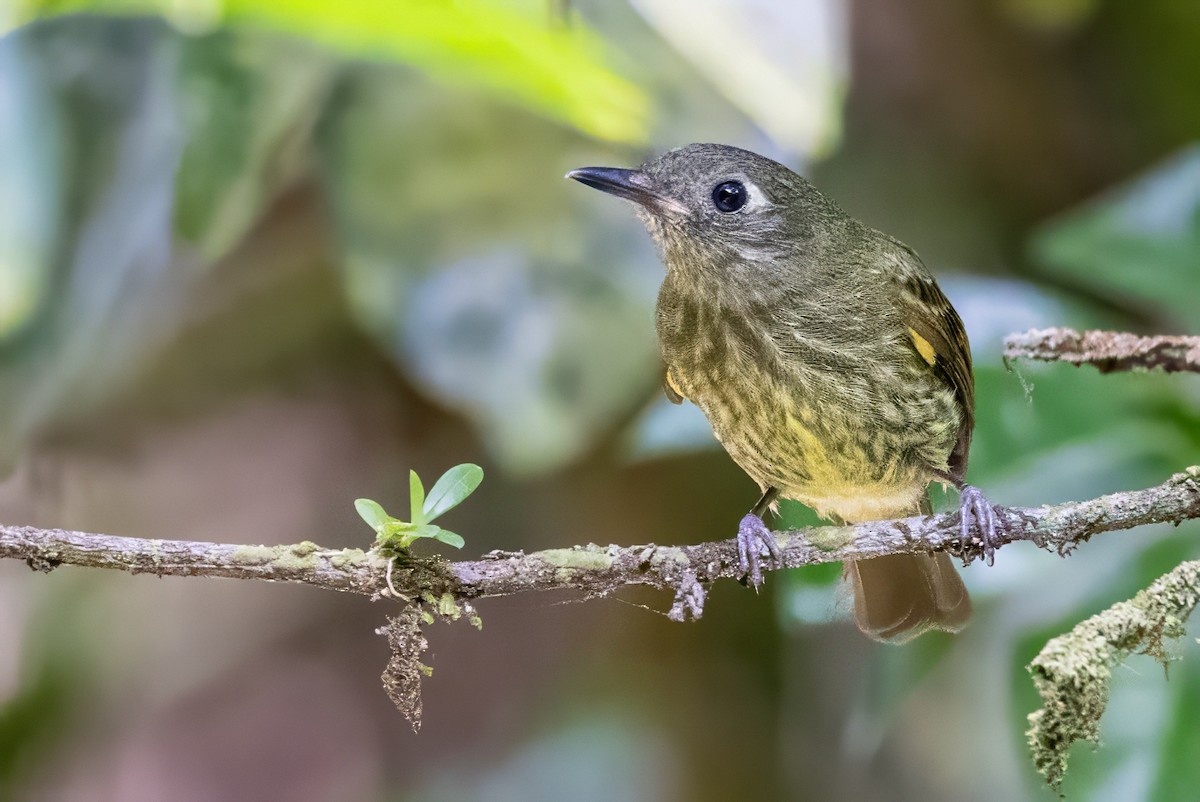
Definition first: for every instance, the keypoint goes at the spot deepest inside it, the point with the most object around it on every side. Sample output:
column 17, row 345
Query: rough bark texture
column 592, row 569
column 1071, row 673
column 1107, row 350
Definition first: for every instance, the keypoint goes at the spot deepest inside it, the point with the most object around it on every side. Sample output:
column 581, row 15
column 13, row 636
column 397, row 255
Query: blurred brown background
column 259, row 259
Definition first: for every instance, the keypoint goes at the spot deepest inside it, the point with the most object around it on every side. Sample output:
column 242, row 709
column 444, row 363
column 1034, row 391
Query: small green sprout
column 447, row 493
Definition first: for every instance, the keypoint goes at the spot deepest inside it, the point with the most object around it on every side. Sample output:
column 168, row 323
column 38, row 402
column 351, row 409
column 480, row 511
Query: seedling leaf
column 450, row 538
column 371, row 512
column 450, row 490
column 416, row 497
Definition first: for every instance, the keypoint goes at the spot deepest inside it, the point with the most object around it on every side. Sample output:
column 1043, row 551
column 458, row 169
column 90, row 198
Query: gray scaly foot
column 755, row 541
column 974, row 508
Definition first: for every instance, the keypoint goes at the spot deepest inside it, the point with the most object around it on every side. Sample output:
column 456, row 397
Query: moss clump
column 831, row 538
column 347, row 557
column 292, row 558
column 1072, row 672
column 298, row 557
column 255, row 555
column 592, row 558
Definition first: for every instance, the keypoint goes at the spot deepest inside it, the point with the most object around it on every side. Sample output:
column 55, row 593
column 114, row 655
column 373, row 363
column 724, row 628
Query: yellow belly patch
column 841, row 488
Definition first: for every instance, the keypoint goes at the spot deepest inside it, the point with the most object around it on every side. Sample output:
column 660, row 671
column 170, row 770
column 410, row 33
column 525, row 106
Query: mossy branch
column 591, row 569
column 446, row 588
column 1106, row 350
column 1072, row 672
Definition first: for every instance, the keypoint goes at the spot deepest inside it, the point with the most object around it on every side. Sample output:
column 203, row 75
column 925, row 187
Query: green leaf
column 371, row 512
column 243, row 101
column 450, row 539
column 423, row 530
column 416, row 498
column 454, row 486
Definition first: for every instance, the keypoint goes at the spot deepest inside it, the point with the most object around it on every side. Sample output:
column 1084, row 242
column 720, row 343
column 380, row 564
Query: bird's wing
column 939, row 338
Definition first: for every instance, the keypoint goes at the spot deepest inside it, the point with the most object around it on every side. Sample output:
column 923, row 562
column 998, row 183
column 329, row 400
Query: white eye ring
column 756, row 199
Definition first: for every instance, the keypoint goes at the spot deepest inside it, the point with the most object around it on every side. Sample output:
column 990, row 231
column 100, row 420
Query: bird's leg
column 973, row 505
column 756, row 541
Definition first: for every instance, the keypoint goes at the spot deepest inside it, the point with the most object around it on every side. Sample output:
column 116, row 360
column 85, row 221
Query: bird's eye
column 730, row 196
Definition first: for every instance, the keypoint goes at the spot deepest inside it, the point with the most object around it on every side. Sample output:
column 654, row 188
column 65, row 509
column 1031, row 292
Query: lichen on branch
column 445, row 588
column 592, row 569
column 1108, row 351
column 1072, row 672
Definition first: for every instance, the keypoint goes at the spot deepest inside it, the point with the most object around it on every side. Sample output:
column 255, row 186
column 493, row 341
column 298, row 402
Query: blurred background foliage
column 260, row 258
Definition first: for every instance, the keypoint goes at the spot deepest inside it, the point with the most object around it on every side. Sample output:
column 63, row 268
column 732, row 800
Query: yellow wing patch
column 923, row 347
column 674, row 386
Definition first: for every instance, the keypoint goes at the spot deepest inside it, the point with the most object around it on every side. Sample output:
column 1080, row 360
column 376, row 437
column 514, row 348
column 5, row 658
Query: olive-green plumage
column 826, row 358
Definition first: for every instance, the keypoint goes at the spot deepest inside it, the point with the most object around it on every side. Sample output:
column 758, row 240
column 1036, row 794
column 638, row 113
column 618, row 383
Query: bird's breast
column 831, row 435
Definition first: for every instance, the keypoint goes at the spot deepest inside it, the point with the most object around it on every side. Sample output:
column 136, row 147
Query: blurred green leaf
column 1051, row 16
column 371, row 512
column 1139, row 242
column 108, row 118
column 416, row 498
column 604, row 745
column 249, row 103
column 451, row 489
column 556, row 71
column 31, row 184
column 1178, row 769
column 493, row 301
column 34, row 716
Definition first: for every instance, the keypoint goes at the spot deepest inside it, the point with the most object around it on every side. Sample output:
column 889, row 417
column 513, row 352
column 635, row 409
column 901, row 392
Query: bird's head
column 710, row 204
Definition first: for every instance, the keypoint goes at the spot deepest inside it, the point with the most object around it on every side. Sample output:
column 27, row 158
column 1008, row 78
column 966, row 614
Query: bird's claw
column 974, row 506
column 754, row 542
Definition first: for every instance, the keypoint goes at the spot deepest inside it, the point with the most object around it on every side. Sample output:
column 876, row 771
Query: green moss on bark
column 1073, row 671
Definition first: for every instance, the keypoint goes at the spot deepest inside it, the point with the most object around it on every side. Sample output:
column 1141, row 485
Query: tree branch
column 448, row 587
column 591, row 569
column 1072, row 671
column 1107, row 350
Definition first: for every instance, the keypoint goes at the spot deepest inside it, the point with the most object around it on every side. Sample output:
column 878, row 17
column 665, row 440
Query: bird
column 828, row 362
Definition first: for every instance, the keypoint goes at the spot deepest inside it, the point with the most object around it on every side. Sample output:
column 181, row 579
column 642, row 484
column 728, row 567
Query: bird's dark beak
column 632, row 185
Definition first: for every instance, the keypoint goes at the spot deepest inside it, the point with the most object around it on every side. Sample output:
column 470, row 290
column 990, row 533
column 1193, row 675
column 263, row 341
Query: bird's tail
column 900, row 596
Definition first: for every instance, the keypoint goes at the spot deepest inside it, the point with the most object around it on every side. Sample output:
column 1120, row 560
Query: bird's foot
column 973, row 506
column 755, row 541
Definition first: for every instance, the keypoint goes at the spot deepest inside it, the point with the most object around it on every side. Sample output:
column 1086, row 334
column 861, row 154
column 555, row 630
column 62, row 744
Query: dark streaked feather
column 925, row 308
